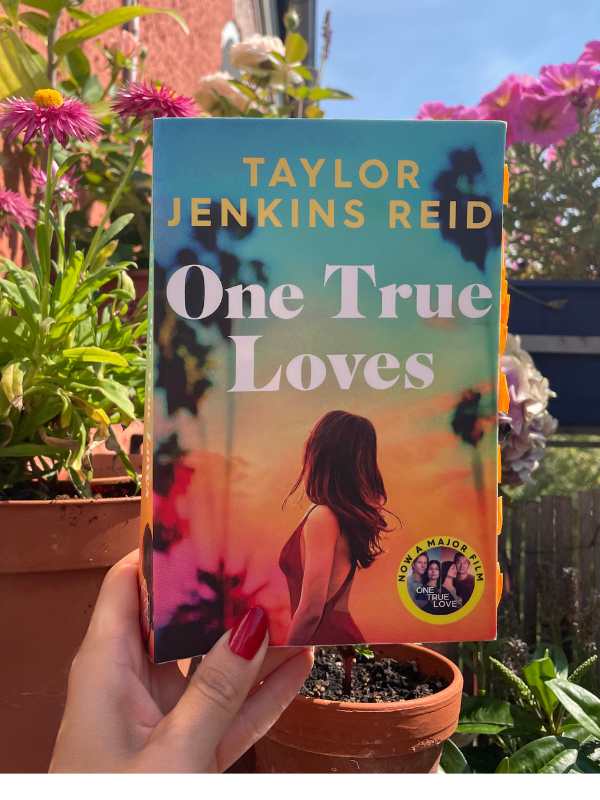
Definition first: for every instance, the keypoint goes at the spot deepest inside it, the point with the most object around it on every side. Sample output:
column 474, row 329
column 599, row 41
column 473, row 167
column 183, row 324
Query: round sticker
column 441, row 580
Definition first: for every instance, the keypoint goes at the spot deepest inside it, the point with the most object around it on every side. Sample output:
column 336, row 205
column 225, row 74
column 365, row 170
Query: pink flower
column 48, row 115
column 550, row 154
column 437, row 110
column 144, row 101
column 66, row 188
column 578, row 80
column 503, row 102
column 544, row 120
column 591, row 54
column 14, row 208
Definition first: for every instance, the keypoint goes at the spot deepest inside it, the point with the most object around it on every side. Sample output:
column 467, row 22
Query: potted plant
column 72, row 363
column 376, row 733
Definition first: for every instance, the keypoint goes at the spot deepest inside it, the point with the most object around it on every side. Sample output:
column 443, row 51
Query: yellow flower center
column 48, row 98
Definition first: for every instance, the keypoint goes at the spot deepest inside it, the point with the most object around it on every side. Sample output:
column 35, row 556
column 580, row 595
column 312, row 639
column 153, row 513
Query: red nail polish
column 249, row 633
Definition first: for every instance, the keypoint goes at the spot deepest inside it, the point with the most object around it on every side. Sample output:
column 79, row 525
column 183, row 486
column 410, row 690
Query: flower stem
column 139, row 149
column 47, row 233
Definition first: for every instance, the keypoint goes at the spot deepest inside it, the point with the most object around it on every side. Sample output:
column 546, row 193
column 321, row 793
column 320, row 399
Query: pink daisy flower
column 14, row 208
column 144, row 101
column 48, row 115
column 66, row 188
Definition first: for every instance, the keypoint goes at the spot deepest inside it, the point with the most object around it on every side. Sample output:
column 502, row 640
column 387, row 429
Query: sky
column 394, row 55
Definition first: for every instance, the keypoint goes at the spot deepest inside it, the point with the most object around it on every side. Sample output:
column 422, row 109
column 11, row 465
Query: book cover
column 321, row 434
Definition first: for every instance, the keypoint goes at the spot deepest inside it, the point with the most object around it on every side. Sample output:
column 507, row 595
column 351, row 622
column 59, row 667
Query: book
column 328, row 306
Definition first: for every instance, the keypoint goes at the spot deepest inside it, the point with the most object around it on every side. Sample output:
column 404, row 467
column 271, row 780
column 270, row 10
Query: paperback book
column 328, row 307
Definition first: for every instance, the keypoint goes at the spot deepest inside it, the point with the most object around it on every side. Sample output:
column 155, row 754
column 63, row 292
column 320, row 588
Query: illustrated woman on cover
column 339, row 534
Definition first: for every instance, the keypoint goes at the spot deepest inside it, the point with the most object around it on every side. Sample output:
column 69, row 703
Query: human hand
column 124, row 714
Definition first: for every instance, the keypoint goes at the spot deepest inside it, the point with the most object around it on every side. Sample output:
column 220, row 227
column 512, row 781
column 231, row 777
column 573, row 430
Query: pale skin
column 462, row 567
column 124, row 714
column 433, row 574
column 448, row 583
column 420, row 566
column 326, row 562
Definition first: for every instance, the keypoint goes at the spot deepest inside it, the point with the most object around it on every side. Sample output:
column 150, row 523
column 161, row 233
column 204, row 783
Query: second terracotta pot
column 318, row 736
column 53, row 558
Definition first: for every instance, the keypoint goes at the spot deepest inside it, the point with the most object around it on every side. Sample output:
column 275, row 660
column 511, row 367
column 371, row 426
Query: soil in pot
column 102, row 489
column 382, row 680
column 366, row 730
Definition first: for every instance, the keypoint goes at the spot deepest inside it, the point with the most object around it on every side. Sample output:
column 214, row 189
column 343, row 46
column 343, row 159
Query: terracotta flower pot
column 53, row 557
column 317, row 736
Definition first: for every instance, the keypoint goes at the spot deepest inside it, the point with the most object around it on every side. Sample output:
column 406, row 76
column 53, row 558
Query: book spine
column 146, row 549
column 503, row 394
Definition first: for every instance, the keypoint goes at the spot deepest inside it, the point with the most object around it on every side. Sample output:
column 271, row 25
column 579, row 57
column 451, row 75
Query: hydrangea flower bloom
column 145, row 102
column 15, row 208
column 47, row 115
column 528, row 424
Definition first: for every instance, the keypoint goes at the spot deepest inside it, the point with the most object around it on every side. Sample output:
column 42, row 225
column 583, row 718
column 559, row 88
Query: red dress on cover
column 335, row 627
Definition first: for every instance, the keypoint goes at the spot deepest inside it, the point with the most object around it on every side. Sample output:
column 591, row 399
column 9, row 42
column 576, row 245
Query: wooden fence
column 550, row 555
column 549, row 552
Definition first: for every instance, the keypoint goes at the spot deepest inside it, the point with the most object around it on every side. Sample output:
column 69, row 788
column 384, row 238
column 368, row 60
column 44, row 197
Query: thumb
column 220, row 685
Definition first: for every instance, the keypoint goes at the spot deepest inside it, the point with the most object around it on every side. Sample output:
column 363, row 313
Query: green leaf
column 557, row 654
column 317, row 93
column 549, row 754
column 536, row 673
column 581, row 704
column 452, row 761
column 296, row 48
column 304, row 72
column 108, row 20
column 95, row 355
column 12, row 385
column 114, row 229
column 488, row 715
column 38, row 23
column 21, row 71
column 31, row 254
column 67, row 164
column 79, row 66
column 116, row 393
column 28, row 451
column 12, row 9
column 51, row 7
column 80, row 15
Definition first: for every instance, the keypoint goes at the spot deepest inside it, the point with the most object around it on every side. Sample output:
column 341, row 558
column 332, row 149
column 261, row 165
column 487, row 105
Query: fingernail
column 248, row 635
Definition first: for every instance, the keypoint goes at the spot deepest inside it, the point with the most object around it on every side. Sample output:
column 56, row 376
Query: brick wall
column 174, row 57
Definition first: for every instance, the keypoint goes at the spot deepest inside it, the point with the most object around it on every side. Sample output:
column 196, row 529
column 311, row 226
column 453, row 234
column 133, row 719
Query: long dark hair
column 340, row 471
column 426, row 577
